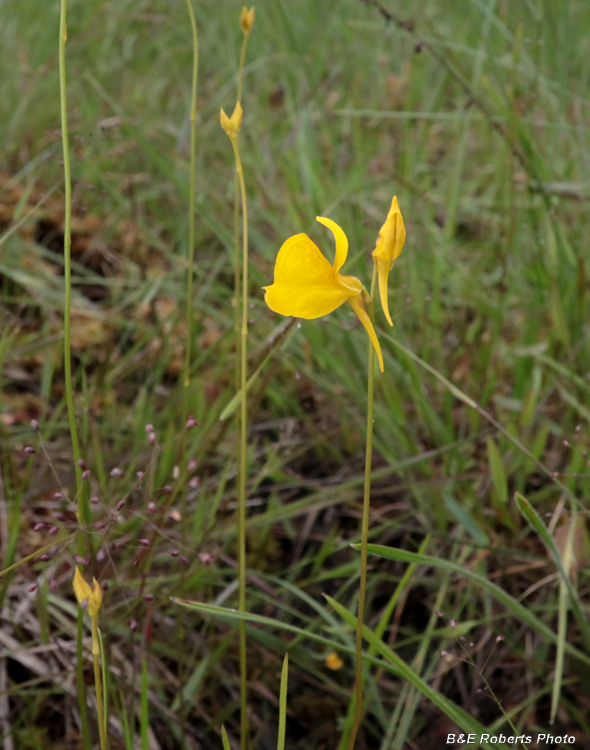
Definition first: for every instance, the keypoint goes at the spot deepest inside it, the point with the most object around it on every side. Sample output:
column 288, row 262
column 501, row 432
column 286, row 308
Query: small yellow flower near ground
column 390, row 242
column 334, row 662
column 86, row 594
column 307, row 286
column 247, row 19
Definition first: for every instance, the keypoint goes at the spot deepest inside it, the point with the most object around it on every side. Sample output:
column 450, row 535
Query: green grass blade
column 283, row 704
column 20, row 221
column 105, row 712
column 468, row 401
column 229, row 615
column 450, row 709
column 393, row 662
column 559, row 657
column 127, row 734
column 412, row 697
column 225, row 739
column 539, row 527
column 237, row 398
column 515, row 607
column 463, row 517
column 144, row 715
column 399, row 590
column 498, row 472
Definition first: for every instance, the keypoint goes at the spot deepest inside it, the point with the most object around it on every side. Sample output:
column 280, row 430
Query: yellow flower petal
column 359, row 308
column 390, row 242
column 305, row 284
column 334, row 662
column 341, row 241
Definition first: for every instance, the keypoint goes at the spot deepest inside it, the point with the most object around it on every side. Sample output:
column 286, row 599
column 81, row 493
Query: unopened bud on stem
column 247, row 19
column 232, row 124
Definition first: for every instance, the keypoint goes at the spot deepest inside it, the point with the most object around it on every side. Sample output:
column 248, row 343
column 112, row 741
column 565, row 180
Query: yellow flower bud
column 390, row 242
column 232, row 124
column 334, row 662
column 247, row 19
column 93, row 596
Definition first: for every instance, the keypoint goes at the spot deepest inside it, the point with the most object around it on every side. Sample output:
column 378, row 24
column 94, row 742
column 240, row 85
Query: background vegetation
column 476, row 114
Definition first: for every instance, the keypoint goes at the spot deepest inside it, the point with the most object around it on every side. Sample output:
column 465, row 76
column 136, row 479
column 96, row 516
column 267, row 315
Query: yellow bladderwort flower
column 334, row 662
column 390, row 242
column 307, row 286
column 93, row 596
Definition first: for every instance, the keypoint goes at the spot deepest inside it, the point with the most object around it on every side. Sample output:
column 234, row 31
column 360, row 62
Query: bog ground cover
column 225, row 532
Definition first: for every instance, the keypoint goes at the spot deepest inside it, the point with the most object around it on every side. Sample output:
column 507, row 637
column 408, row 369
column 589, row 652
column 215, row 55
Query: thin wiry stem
column 240, row 382
column 364, row 528
column 237, row 224
column 243, row 447
column 98, row 684
column 191, row 213
column 83, row 508
column 80, row 680
column 189, row 320
column 63, row 35
column 241, row 68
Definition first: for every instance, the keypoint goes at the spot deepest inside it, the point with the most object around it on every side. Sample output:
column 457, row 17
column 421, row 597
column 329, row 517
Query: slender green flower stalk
column 83, row 513
column 98, row 684
column 81, row 689
column 83, row 509
column 246, row 23
column 390, row 242
column 189, row 322
column 365, row 526
column 232, row 127
column 91, row 599
column 191, row 213
column 307, row 286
